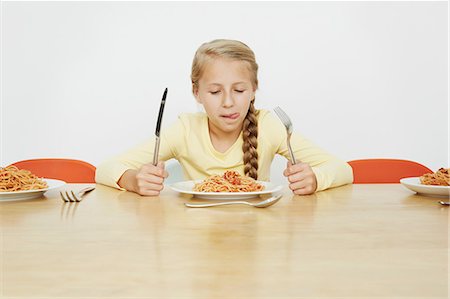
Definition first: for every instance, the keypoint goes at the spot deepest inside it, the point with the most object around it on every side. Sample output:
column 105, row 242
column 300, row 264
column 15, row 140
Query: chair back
column 68, row 170
column 379, row 171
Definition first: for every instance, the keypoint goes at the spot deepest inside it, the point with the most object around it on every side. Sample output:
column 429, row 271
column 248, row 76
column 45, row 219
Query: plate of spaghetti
column 23, row 184
column 229, row 185
column 432, row 184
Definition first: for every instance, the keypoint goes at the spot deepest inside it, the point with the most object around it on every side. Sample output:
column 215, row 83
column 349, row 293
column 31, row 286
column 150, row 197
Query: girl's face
column 225, row 90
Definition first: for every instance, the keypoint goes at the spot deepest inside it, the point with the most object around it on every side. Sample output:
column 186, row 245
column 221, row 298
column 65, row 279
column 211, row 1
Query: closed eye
column 214, row 92
column 240, row 91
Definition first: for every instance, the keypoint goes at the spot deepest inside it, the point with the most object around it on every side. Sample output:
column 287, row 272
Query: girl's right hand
column 150, row 178
column 147, row 180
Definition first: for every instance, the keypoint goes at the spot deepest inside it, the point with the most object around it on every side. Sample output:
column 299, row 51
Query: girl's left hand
column 302, row 180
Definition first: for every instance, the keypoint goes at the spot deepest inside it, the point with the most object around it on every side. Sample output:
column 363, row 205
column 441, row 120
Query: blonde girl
column 231, row 135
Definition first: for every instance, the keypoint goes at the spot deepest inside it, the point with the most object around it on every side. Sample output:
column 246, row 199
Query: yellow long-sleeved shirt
column 188, row 141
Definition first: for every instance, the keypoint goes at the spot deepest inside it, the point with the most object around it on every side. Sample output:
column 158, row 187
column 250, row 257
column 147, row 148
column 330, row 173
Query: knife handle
column 156, row 151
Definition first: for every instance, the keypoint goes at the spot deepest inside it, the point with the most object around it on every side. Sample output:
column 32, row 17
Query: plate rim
column 275, row 188
column 413, row 184
column 416, row 183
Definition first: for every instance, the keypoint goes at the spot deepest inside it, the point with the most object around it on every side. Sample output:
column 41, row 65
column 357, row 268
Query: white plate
column 188, row 186
column 415, row 185
column 30, row 194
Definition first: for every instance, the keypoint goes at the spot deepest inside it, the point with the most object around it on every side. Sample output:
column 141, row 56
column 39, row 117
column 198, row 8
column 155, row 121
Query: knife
column 158, row 128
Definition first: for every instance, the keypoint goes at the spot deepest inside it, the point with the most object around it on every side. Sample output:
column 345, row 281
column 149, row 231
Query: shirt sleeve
column 330, row 171
column 110, row 171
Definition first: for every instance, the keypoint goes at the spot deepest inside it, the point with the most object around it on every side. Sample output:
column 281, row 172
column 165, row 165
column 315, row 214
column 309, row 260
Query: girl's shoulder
column 270, row 127
column 193, row 120
column 266, row 119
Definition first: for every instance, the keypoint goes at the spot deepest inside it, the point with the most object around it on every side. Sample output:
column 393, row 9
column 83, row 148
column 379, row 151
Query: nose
column 228, row 100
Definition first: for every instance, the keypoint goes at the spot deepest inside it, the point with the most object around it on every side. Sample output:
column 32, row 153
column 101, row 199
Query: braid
column 250, row 137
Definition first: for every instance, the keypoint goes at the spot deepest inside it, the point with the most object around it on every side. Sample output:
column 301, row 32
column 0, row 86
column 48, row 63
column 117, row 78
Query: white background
column 362, row 79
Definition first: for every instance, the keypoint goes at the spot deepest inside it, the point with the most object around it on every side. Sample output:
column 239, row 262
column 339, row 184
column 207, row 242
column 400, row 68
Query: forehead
column 226, row 71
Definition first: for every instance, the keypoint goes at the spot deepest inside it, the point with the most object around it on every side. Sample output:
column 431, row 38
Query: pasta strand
column 14, row 179
column 230, row 181
column 439, row 178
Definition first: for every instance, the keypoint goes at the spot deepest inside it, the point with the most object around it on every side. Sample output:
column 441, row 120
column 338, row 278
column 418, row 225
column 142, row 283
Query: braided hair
column 250, row 137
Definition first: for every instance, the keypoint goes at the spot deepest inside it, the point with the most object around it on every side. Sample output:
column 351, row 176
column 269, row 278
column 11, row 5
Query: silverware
column 262, row 204
column 445, row 203
column 289, row 128
column 71, row 196
column 158, row 128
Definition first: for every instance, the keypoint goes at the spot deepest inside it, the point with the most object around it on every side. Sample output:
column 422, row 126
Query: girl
column 231, row 135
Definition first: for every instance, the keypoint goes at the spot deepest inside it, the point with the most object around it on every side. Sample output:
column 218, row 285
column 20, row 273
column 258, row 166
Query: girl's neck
column 221, row 140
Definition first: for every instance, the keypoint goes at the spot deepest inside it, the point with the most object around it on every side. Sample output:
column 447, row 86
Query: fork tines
column 288, row 125
column 69, row 197
column 284, row 118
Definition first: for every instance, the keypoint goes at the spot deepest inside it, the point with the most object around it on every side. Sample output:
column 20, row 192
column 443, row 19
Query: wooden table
column 356, row 241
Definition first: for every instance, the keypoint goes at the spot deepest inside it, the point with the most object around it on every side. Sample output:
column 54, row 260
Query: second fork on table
column 71, row 196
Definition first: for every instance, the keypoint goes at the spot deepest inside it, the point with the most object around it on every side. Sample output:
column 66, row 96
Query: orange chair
column 373, row 171
column 68, row 170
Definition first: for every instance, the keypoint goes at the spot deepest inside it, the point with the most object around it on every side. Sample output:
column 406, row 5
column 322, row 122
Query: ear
column 195, row 92
column 253, row 95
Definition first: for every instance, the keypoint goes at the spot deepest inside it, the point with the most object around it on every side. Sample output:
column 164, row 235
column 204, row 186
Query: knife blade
column 158, row 128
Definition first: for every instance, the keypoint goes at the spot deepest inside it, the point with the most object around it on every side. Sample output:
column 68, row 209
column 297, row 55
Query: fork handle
column 290, row 150
column 205, row 205
column 85, row 190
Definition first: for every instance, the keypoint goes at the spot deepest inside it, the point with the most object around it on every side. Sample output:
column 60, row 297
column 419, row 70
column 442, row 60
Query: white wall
column 84, row 79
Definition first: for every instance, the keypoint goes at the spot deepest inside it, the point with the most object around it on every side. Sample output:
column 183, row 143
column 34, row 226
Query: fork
column 262, row 204
column 289, row 128
column 71, row 196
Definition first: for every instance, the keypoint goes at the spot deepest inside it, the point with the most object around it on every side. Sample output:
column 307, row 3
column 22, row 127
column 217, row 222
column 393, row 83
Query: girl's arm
column 123, row 171
column 320, row 169
column 329, row 170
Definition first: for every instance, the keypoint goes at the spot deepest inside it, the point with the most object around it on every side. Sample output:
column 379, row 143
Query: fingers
column 291, row 169
column 147, row 186
column 161, row 165
column 150, row 179
column 148, row 192
column 302, row 180
column 304, row 187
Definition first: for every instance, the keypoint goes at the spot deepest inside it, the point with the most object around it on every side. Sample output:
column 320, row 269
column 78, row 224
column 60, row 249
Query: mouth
column 231, row 116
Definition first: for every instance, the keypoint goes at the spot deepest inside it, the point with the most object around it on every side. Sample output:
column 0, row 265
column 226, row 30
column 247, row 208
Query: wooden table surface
column 356, row 241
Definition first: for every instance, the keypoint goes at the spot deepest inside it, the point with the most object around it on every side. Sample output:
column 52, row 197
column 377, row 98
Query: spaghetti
column 14, row 179
column 439, row 178
column 230, row 181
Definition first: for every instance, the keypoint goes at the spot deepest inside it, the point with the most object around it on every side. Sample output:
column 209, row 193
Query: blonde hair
column 234, row 50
